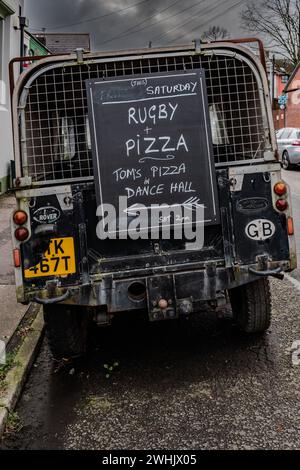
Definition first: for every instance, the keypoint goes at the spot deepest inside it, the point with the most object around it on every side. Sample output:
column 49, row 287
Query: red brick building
column 280, row 81
column 292, row 111
column 279, row 75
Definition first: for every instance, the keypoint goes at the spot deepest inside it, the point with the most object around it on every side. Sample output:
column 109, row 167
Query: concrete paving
column 198, row 384
column 11, row 312
column 17, row 374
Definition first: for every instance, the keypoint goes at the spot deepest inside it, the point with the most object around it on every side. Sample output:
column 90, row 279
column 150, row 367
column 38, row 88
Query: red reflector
column 290, row 226
column 20, row 217
column 17, row 257
column 21, row 234
column 296, row 143
column 282, row 205
column 280, row 189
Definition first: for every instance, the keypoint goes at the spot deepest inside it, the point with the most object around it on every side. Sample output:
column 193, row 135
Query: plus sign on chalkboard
column 152, row 144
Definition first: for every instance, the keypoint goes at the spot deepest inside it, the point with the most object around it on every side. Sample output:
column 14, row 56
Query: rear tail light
column 280, row 189
column 290, row 226
column 20, row 218
column 17, row 257
column 282, row 205
column 21, row 234
column 296, row 143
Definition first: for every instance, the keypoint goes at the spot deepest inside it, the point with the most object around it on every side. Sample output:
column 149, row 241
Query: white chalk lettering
column 152, row 141
column 161, row 171
column 148, row 145
column 182, row 187
column 179, row 88
column 140, row 191
column 123, row 174
column 165, row 147
column 182, row 142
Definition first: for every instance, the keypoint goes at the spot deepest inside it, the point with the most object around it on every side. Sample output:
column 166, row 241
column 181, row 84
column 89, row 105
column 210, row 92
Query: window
column 291, row 134
column 286, row 133
column 65, row 147
column 68, row 138
column 88, row 133
column 218, row 129
column 279, row 133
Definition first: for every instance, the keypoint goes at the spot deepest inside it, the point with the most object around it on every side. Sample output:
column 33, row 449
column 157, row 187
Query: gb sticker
column 260, row 230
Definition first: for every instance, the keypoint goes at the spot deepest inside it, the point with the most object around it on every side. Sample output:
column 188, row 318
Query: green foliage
column 13, row 423
column 5, row 368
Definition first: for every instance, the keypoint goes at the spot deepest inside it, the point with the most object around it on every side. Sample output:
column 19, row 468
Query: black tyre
column 286, row 164
column 251, row 306
column 66, row 330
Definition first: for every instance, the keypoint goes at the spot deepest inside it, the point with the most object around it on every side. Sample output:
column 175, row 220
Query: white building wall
column 9, row 48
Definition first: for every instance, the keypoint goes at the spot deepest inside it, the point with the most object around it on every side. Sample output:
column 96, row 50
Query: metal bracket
column 198, row 46
column 79, row 53
column 161, row 287
column 65, row 201
column 236, row 183
column 21, row 182
column 269, row 155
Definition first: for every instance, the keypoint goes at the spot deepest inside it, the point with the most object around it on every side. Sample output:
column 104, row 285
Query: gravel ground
column 194, row 385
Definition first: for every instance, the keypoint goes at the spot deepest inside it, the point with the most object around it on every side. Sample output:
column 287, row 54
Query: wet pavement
column 198, row 384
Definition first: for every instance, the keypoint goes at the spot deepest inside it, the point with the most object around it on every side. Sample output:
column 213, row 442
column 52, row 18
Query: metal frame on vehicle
column 254, row 118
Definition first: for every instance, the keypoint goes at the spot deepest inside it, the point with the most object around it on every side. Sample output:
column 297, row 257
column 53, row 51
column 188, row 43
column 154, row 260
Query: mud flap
column 159, row 289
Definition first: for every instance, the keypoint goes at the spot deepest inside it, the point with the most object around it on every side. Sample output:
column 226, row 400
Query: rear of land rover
column 59, row 260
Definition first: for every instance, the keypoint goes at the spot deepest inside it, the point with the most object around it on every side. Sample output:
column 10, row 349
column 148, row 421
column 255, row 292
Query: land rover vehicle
column 91, row 127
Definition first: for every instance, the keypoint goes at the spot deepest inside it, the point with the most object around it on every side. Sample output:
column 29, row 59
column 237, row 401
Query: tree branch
column 278, row 20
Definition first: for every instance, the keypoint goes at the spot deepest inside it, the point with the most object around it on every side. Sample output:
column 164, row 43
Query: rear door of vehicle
column 56, row 150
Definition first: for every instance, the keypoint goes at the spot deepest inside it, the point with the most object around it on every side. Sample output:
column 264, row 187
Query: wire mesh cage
column 56, row 136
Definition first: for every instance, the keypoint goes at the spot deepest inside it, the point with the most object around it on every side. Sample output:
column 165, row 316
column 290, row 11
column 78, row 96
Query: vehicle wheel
column 66, row 330
column 251, row 306
column 286, row 164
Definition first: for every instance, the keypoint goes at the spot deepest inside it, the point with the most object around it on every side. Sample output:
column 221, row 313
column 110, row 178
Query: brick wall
column 279, row 119
column 293, row 106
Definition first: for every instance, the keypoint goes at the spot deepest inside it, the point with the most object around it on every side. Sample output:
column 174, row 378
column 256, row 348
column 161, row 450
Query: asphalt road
column 199, row 384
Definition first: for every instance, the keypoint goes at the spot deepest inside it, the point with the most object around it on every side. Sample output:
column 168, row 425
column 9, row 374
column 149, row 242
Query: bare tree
column 279, row 22
column 214, row 33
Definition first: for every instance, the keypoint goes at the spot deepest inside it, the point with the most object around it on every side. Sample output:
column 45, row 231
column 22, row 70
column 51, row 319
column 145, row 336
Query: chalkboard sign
column 151, row 141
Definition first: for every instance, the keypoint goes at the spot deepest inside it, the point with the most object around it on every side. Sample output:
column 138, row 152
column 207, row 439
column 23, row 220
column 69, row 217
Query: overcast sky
column 120, row 24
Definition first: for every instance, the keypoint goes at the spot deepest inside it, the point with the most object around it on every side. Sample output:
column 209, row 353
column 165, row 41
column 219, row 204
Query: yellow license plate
column 58, row 260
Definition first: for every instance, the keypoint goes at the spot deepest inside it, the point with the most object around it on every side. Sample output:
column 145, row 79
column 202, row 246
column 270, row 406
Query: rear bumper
column 177, row 288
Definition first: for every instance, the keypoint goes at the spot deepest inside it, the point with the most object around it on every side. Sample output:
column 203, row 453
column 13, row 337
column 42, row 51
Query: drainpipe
column 23, row 24
column 273, row 78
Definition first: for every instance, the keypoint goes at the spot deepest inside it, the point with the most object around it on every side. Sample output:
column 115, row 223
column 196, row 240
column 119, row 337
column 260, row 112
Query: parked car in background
column 288, row 140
